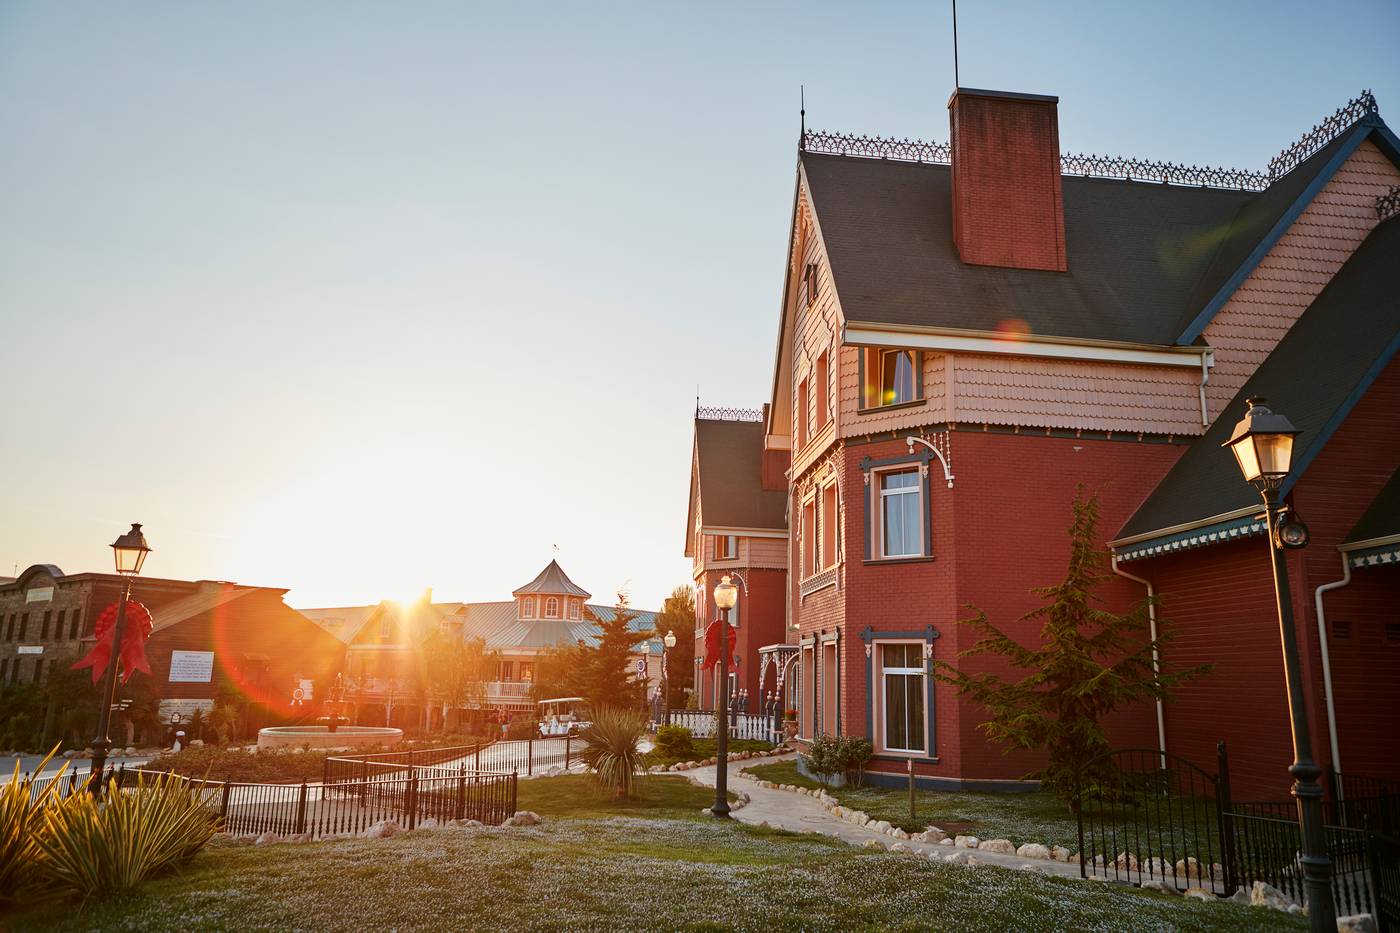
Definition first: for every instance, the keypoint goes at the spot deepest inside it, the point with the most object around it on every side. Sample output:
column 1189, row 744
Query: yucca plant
column 21, row 817
column 612, row 749
column 99, row 849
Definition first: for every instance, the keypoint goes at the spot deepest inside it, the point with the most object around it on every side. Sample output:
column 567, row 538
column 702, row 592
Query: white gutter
column 1156, row 659
column 860, row 333
column 1327, row 661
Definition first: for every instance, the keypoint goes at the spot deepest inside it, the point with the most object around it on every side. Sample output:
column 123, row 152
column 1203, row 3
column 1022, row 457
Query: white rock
column 1356, row 923
column 960, row 857
column 1060, row 854
column 900, row 847
column 899, row 833
column 466, row 824
column 1188, row 868
column 1198, row 893
column 934, row 834
column 882, row 826
column 945, row 841
column 194, row 743
column 1241, row 896
column 1264, row 894
column 524, row 818
column 966, row 842
column 1127, row 861
column 1001, row 846
column 871, row 844
column 1156, row 884
column 265, row 838
column 1033, row 850
column 838, row 812
column 383, row 830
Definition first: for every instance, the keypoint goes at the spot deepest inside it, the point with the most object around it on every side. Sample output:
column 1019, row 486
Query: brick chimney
column 1008, row 209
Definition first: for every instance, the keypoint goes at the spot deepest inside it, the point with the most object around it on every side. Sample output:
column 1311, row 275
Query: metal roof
column 553, row 580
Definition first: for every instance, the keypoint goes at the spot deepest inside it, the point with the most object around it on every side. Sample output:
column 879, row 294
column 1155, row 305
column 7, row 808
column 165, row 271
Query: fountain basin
column 322, row 737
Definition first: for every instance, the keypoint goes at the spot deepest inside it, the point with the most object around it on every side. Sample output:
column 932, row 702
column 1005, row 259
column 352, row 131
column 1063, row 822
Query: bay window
column 902, row 696
column 890, row 377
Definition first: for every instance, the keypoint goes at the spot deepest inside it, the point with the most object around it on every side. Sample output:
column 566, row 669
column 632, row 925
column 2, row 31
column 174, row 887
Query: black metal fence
column 1155, row 816
column 407, row 797
column 526, row 756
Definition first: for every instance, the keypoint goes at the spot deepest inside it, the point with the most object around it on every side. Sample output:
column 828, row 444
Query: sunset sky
column 360, row 298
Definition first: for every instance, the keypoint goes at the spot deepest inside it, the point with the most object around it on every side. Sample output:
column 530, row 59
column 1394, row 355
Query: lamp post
column 1262, row 443
column 726, row 596
column 129, row 551
column 667, row 644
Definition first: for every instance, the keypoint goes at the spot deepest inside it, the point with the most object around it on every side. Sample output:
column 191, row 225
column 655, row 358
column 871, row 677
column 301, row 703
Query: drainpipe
column 1156, row 659
column 1327, row 662
column 1207, row 361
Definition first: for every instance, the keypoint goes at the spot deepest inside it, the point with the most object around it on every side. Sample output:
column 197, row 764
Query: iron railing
column 704, row 413
column 701, row 723
column 351, row 806
column 1356, row 109
column 1360, row 800
column 527, row 756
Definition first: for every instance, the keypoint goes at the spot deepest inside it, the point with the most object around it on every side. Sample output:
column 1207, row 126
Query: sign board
column 191, row 667
column 30, row 649
column 641, row 667
column 39, row 594
column 181, row 710
column 304, row 685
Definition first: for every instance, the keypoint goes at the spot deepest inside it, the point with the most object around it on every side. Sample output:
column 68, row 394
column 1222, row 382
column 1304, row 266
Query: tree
column 557, row 673
column 678, row 615
column 458, row 671
column 604, row 677
column 1089, row 662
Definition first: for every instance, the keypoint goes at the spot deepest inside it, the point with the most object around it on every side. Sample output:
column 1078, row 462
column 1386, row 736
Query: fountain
column 334, row 730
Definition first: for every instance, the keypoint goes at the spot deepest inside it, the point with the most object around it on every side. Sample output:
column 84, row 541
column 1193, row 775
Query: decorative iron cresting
column 728, row 414
column 1356, row 109
column 1388, row 204
column 1095, row 166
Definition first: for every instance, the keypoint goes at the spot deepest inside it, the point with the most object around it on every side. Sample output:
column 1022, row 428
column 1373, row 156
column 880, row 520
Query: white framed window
column 891, row 377
column 726, row 547
column 901, row 530
column 807, row 683
column 903, row 697
column 575, row 608
column 551, row 607
column 527, row 607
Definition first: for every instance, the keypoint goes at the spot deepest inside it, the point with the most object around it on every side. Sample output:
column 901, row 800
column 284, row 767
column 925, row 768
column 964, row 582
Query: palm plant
column 109, row 848
column 21, row 816
column 612, row 748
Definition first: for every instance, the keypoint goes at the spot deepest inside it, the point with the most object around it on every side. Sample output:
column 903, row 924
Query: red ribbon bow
column 132, row 653
column 712, row 644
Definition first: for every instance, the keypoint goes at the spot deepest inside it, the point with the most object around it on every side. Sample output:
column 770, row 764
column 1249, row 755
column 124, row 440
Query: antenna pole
column 802, row 114
column 957, row 82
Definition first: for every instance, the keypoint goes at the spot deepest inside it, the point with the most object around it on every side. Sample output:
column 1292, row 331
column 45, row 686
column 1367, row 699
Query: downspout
column 1152, row 632
column 1207, row 360
column 1327, row 662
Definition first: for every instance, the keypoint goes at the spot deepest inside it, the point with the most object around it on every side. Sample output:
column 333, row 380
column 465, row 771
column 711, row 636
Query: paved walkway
column 799, row 813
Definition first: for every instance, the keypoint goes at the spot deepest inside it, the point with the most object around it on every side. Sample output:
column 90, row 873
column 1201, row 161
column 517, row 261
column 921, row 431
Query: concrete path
column 800, row 813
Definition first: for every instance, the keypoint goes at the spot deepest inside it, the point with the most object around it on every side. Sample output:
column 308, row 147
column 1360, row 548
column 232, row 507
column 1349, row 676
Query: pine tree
column 605, row 670
column 1089, row 662
column 678, row 615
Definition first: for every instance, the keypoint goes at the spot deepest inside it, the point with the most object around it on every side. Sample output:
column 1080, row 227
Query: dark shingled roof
column 1382, row 518
column 730, row 455
column 1144, row 258
column 1348, row 334
column 552, row 579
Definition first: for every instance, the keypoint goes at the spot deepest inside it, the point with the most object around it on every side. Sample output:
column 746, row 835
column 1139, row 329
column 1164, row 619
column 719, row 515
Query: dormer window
column 575, row 609
column 891, row 377
column 527, row 607
column 551, row 608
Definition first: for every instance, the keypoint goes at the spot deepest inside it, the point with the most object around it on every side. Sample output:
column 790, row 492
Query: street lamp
column 667, row 643
column 1262, row 443
column 129, row 551
column 726, row 596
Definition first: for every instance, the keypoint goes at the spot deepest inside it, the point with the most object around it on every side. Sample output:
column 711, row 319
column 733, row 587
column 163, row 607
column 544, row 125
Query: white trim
column 742, row 532
column 1187, row 526
column 857, row 333
column 916, row 490
column 1368, row 543
column 879, row 671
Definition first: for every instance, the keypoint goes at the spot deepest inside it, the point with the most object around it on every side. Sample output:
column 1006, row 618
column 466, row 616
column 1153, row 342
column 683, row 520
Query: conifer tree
column 1089, row 662
column 605, row 670
column 678, row 615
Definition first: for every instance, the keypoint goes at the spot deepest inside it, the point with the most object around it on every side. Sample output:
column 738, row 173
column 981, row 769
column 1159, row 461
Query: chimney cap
column 1004, row 95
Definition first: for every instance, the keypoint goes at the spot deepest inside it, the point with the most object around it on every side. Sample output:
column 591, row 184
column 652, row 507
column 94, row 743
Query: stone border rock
column 706, row 762
column 1260, row 895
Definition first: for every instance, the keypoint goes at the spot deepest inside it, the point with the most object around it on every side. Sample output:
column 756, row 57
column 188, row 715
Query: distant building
column 206, row 636
column 387, row 679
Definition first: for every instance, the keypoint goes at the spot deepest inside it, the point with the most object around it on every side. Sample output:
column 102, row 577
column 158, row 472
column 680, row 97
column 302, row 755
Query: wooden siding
column 854, row 422
column 816, row 329
column 1300, row 265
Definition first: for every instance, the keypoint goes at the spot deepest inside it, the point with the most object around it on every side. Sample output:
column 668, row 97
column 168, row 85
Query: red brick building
column 970, row 331
column 737, row 527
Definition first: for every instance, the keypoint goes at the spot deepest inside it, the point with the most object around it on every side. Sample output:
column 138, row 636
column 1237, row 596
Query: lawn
column 662, row 866
column 1024, row 817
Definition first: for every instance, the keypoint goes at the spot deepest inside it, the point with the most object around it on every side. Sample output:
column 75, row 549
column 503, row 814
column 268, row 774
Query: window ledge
column 906, row 756
column 879, row 561
column 817, row 582
column 876, row 409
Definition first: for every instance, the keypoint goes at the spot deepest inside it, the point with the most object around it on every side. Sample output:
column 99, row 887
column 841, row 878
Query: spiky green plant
column 612, row 749
column 98, row 849
column 21, row 816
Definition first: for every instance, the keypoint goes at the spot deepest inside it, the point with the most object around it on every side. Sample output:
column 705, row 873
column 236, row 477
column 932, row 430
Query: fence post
column 325, row 770
column 301, row 809
column 223, row 805
column 514, row 782
column 462, row 792
column 530, row 756
column 568, row 739
column 412, row 802
column 364, row 780
column 477, row 766
column 1225, row 818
